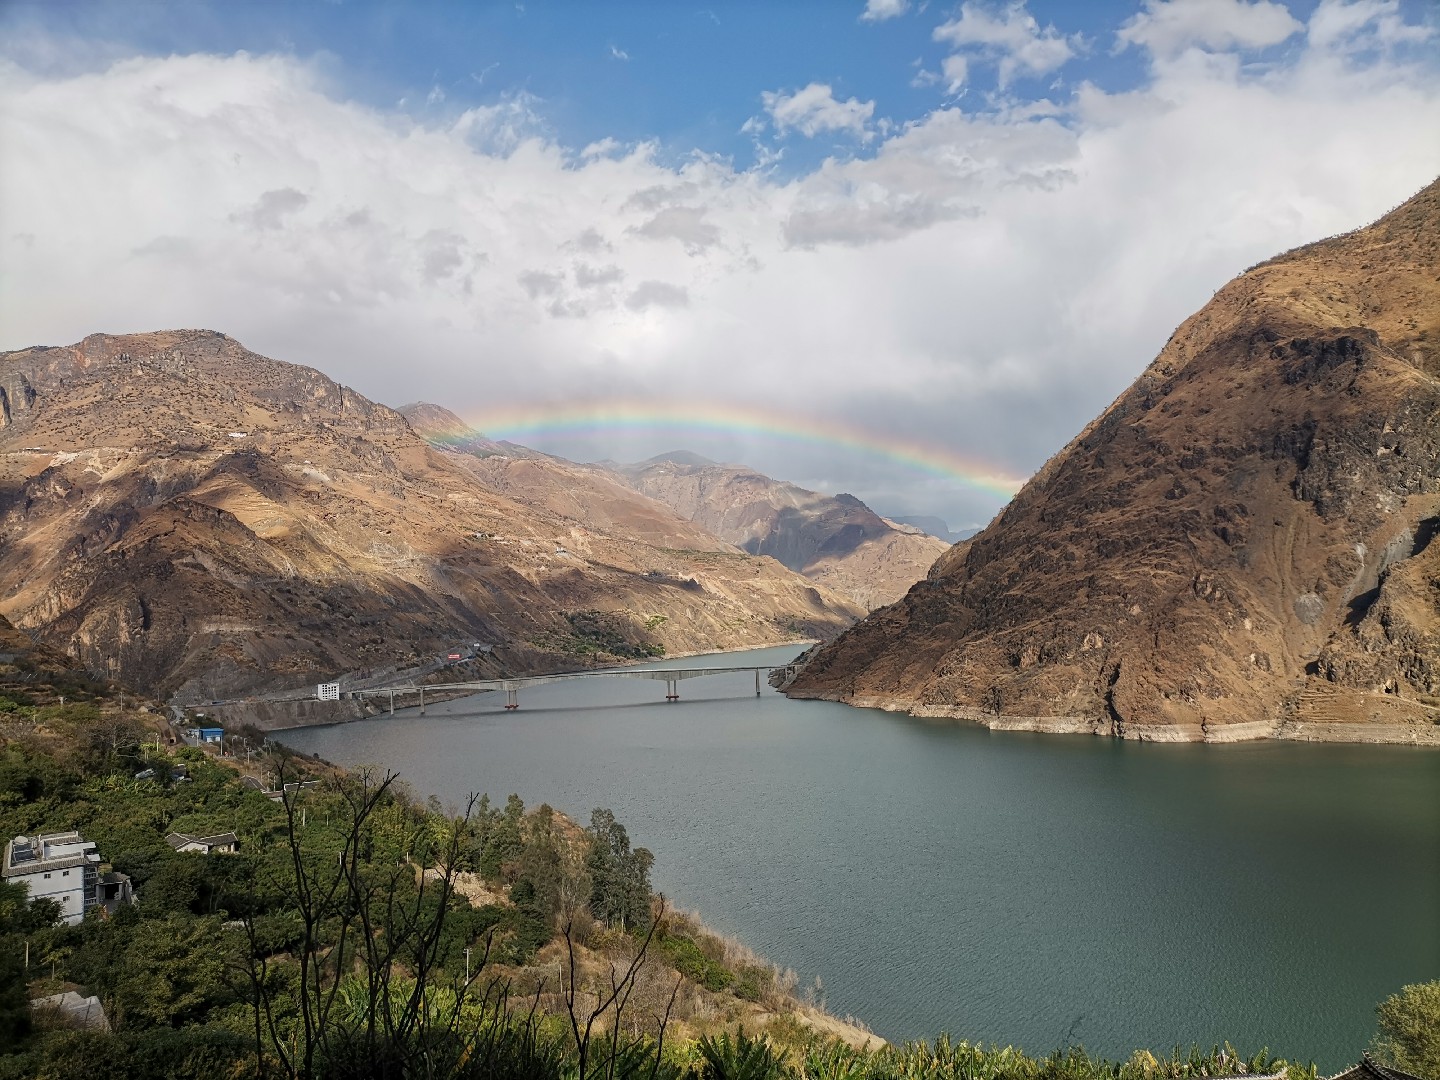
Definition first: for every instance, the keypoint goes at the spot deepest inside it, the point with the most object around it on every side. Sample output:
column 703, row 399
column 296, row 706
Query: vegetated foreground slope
column 1242, row 545
column 191, row 517
column 834, row 540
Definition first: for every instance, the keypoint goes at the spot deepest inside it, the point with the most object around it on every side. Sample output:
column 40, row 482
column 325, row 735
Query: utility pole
column 467, row 961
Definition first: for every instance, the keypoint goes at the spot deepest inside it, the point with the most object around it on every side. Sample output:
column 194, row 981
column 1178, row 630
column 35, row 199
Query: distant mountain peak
column 680, row 457
column 833, row 539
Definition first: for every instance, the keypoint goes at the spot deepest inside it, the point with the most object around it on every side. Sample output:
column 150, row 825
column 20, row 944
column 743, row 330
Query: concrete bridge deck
column 672, row 677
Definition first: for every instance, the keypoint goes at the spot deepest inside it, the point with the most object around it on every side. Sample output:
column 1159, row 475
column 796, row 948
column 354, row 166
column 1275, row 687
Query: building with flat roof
column 55, row 866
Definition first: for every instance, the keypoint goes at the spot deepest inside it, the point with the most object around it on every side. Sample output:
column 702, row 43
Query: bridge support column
column 757, row 682
column 512, row 699
column 672, row 690
column 422, row 701
column 392, row 702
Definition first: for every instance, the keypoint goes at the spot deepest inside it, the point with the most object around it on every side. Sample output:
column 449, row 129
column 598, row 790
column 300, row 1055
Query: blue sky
column 687, row 75
column 962, row 225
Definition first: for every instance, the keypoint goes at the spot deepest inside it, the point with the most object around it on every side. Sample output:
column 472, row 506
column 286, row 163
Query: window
column 65, row 873
column 47, row 877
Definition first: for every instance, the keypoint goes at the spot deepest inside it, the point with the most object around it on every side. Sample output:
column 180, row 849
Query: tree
column 1409, row 1036
column 369, row 997
column 21, row 915
column 619, row 877
column 504, row 843
column 540, row 865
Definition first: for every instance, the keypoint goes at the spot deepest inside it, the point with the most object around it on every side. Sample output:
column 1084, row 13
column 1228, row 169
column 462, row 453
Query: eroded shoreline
column 1285, row 730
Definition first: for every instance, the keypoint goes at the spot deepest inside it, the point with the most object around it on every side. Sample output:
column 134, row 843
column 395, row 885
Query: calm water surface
column 1038, row 890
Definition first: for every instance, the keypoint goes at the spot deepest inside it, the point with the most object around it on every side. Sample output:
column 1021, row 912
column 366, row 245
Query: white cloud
column 590, row 277
column 617, row 53
column 814, row 110
column 879, row 10
column 684, row 223
column 953, row 71
column 600, row 148
column 1168, row 27
column 271, row 209
column 1013, row 38
column 650, row 294
column 1363, row 24
column 979, row 281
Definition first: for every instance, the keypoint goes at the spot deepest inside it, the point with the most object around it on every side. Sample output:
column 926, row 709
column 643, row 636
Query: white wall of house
column 66, row 886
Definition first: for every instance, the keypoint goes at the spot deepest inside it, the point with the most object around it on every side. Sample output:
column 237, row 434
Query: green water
column 1038, row 890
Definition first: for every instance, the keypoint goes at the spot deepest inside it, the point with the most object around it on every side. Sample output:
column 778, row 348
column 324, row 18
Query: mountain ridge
column 1237, row 547
column 836, row 541
column 833, row 539
column 181, row 513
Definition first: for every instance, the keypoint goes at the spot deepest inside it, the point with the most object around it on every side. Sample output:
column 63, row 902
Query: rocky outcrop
column 1242, row 545
column 195, row 519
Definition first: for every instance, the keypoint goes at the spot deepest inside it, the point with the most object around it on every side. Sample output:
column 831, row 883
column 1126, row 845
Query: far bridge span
column 671, row 677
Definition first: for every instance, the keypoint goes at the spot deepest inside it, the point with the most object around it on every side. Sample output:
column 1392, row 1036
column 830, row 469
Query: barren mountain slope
column 1240, row 546
column 838, row 541
column 190, row 516
column 581, row 494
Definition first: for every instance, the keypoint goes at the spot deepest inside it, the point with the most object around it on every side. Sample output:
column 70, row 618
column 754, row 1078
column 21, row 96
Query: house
column 1366, row 1069
column 210, row 734
column 113, row 890
column 55, row 866
column 293, row 788
column 222, row 843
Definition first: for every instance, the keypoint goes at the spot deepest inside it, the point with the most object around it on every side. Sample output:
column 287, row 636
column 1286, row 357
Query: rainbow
column 518, row 424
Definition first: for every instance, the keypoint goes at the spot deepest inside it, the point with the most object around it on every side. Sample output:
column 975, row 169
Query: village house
column 1365, row 1069
column 55, row 866
column 222, row 843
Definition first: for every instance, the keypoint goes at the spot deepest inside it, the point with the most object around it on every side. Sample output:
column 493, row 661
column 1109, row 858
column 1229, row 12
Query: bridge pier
column 757, row 682
column 672, row 690
column 512, row 698
column 392, row 702
column 422, row 701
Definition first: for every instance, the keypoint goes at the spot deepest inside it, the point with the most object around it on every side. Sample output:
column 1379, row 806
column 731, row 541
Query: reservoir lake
column 1033, row 890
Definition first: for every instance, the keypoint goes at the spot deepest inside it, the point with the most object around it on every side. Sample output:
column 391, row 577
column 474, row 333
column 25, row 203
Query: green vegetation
column 1409, row 1036
column 358, row 934
column 600, row 634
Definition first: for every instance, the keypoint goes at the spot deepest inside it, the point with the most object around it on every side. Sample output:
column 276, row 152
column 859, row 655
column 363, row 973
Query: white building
column 225, row 843
column 56, row 866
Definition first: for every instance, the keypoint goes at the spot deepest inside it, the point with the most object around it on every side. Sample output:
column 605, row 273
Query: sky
column 897, row 248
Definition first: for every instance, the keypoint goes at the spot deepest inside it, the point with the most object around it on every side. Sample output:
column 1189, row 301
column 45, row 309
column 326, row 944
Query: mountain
column 1241, row 546
column 836, row 541
column 585, row 496
column 188, row 516
column 936, row 527
column 680, row 457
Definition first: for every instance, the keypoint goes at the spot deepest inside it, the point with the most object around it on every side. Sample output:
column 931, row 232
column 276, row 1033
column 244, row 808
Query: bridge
column 671, row 677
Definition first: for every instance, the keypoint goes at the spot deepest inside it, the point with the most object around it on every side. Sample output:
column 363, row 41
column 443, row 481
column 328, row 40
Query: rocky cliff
column 837, row 541
column 193, row 518
column 1242, row 545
